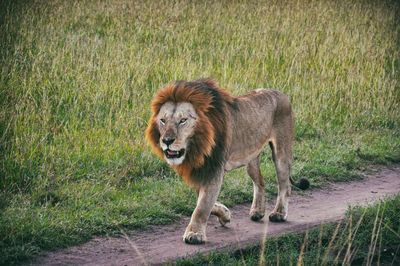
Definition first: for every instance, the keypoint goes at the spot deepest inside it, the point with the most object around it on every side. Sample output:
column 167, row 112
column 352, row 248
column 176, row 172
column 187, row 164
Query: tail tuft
column 303, row 183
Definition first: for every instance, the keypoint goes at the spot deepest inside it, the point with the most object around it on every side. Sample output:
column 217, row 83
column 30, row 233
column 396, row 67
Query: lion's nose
column 168, row 141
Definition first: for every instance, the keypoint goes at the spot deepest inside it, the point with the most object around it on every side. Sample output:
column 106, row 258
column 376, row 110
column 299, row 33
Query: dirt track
column 164, row 243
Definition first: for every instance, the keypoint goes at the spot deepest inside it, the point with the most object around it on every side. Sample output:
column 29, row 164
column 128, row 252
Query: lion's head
column 176, row 124
column 187, row 127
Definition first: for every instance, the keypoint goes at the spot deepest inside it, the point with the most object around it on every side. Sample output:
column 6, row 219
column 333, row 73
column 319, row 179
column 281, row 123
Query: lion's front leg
column 207, row 196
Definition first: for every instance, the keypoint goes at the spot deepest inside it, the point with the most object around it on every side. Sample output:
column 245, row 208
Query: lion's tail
column 303, row 183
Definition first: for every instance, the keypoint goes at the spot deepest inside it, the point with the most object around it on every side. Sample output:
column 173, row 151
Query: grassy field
column 76, row 80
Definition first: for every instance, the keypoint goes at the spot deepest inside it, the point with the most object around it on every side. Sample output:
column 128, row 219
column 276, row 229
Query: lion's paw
column 277, row 217
column 256, row 215
column 224, row 220
column 225, row 217
column 194, row 238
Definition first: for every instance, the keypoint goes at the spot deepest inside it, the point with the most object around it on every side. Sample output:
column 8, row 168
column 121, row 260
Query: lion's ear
column 153, row 137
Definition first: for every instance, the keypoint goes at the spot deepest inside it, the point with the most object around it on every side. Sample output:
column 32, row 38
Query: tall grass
column 77, row 77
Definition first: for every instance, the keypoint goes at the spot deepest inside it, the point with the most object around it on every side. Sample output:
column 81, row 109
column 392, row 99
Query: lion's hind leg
column 281, row 154
column 257, row 210
column 222, row 212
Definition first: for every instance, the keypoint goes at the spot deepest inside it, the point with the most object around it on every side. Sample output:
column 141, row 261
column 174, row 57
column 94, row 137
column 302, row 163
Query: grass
column 367, row 236
column 76, row 80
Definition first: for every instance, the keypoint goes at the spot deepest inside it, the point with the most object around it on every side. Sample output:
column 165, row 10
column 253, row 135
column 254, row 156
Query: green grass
column 367, row 236
column 76, row 80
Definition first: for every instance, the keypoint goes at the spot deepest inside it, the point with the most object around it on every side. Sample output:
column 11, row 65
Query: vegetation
column 368, row 236
column 76, row 80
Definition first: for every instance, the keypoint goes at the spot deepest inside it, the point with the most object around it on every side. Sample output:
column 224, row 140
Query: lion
column 202, row 131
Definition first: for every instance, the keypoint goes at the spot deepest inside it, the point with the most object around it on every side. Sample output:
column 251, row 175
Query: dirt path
column 163, row 243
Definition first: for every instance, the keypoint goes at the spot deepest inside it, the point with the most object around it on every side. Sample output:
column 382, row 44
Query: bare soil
column 161, row 244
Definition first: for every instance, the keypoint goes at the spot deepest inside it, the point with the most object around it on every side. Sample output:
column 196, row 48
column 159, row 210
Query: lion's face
column 176, row 123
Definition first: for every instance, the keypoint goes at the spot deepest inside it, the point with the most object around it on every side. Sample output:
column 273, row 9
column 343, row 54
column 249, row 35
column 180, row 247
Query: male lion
column 202, row 132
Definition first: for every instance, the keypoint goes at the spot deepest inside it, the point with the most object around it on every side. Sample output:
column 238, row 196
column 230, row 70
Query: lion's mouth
column 170, row 154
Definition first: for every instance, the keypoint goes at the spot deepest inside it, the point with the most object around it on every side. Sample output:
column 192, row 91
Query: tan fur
column 221, row 133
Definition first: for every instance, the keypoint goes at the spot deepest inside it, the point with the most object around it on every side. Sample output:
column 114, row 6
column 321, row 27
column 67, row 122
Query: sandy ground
column 161, row 244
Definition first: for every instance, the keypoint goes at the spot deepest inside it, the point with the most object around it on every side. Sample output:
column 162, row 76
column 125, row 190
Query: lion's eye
column 182, row 121
column 162, row 121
